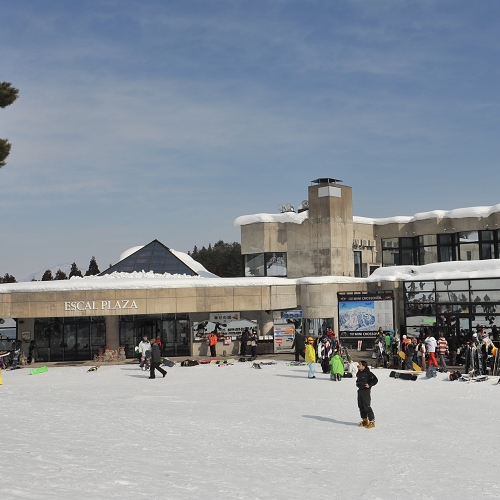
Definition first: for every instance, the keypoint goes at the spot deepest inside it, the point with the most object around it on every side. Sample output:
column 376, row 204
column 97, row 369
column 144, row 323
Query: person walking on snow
column 310, row 357
column 155, row 360
column 365, row 380
column 431, row 344
column 145, row 352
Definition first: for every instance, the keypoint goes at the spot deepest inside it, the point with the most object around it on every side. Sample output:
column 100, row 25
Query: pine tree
column 47, row 275
column 223, row 259
column 8, row 94
column 75, row 271
column 93, row 268
column 60, row 275
column 8, row 278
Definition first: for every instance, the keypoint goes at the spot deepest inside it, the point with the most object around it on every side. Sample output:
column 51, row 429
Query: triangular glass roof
column 154, row 257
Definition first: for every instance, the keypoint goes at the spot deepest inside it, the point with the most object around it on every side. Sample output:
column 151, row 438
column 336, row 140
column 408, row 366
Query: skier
column 365, row 380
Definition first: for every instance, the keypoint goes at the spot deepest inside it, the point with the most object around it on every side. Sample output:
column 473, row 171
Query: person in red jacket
column 212, row 342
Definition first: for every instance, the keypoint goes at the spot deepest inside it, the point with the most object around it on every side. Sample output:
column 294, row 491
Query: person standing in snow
column 337, row 367
column 155, row 360
column 299, row 345
column 244, row 339
column 430, row 343
column 442, row 349
column 310, row 357
column 253, row 343
column 145, row 352
column 365, row 380
column 212, row 343
column 325, row 353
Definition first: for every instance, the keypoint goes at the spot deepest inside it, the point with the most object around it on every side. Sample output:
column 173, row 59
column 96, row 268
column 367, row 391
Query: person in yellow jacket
column 310, row 357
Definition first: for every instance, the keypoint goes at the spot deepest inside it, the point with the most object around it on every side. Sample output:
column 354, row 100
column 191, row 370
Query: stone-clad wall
column 112, row 302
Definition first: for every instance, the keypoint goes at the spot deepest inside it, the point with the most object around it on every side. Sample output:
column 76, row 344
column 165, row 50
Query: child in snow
column 337, row 367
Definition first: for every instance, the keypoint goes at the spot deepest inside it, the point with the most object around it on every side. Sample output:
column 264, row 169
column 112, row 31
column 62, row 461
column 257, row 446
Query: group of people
column 150, row 353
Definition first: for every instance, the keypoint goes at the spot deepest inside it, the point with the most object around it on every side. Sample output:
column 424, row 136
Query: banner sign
column 225, row 317
column 362, row 315
column 283, row 338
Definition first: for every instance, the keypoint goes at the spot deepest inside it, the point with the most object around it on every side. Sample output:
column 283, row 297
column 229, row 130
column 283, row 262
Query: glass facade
column 69, row 339
column 172, row 329
column 266, row 264
column 458, row 307
column 154, row 257
column 430, row 248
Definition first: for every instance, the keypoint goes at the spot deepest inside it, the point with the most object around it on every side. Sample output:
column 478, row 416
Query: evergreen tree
column 93, row 268
column 60, row 275
column 223, row 259
column 8, row 94
column 47, row 275
column 75, row 271
column 8, row 278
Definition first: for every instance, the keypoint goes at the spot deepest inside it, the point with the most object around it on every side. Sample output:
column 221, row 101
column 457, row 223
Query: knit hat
column 310, row 339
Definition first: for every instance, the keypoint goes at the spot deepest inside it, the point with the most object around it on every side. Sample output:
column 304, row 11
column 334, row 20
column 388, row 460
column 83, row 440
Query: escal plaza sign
column 100, row 305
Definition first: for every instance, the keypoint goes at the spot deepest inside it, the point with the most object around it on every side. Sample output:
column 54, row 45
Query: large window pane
column 276, row 264
column 407, row 257
column 357, row 265
column 445, row 254
column 428, row 255
column 254, row 265
column 427, row 239
column 390, row 257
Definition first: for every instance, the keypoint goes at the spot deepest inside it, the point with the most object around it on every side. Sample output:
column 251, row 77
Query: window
column 390, row 252
column 428, row 250
column 446, row 247
column 254, row 265
column 357, row 265
column 275, row 264
column 468, row 245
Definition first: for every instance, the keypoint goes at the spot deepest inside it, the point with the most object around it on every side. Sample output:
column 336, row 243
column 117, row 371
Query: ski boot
column 371, row 424
column 364, row 422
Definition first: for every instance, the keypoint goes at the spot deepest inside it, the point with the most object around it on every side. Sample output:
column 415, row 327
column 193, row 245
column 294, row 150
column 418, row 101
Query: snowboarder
column 365, row 380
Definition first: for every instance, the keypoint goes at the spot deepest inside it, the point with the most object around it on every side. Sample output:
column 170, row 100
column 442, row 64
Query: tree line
column 59, row 275
column 223, row 259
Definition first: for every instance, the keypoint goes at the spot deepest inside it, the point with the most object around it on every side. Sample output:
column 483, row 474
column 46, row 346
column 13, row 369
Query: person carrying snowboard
column 155, row 360
column 365, row 380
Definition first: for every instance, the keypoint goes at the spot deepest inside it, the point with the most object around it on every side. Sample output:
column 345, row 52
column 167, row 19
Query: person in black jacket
column 365, row 380
column 244, row 339
column 299, row 344
column 155, row 360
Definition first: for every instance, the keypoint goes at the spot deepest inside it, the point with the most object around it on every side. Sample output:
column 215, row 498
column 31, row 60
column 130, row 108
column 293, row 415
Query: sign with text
column 283, row 338
column 362, row 315
column 225, row 317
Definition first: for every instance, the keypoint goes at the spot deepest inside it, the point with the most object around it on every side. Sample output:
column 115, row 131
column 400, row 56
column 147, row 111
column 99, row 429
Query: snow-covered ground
column 239, row 433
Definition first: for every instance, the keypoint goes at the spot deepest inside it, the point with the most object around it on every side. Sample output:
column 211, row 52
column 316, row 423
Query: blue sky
column 143, row 120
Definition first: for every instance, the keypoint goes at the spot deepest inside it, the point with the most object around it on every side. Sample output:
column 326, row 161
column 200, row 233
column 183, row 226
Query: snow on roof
column 138, row 281
column 284, row 217
column 457, row 213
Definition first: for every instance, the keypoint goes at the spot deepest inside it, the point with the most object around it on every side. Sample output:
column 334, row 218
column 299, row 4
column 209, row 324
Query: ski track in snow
column 240, row 433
